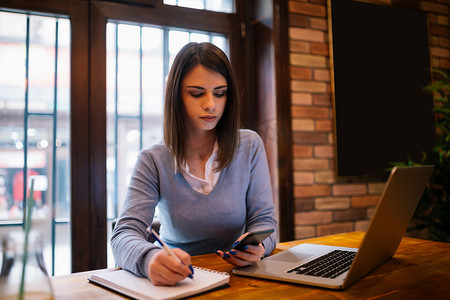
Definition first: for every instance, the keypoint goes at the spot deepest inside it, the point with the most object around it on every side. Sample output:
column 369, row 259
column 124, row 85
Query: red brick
column 349, row 189
column 303, row 125
column 435, row 30
column 305, row 204
column 365, row 201
column 442, row 20
column 324, row 125
column 311, row 164
column 323, row 2
column 301, row 98
column 298, row 20
column 307, row 60
column 307, row 9
column 313, row 217
column 324, row 176
column 444, row 64
column 362, row 225
column 349, row 215
column 308, row 86
column 301, row 73
column 303, row 178
column 304, row 232
column 322, row 75
column 299, row 46
column 302, row 151
column 443, row 42
column 332, row 203
column 434, row 40
column 310, row 112
column 318, row 190
column 318, row 23
column 309, row 35
column 324, row 151
column 309, row 138
column 321, row 99
column 334, row 228
column 434, row 7
column 446, row 2
column 331, row 138
column 319, row 49
column 440, row 52
column 376, row 187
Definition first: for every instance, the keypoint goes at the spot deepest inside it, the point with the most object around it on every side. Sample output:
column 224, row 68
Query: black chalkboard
column 380, row 62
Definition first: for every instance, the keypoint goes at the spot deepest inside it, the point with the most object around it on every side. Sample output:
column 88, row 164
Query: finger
column 185, row 259
column 230, row 259
column 237, row 261
column 239, row 239
column 247, row 256
column 222, row 254
column 167, row 270
column 254, row 249
column 238, row 258
column 178, row 266
column 163, row 276
column 252, row 254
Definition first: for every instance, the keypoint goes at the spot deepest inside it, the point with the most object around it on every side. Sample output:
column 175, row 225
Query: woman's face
column 204, row 95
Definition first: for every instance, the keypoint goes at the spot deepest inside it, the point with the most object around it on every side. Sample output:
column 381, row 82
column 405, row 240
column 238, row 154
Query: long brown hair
column 175, row 135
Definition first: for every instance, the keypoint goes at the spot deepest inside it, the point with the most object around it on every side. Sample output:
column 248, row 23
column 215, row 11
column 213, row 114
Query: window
column 76, row 161
column 35, row 128
column 225, row 6
column 138, row 61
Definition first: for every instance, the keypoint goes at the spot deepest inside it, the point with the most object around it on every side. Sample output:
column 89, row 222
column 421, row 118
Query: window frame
column 77, row 11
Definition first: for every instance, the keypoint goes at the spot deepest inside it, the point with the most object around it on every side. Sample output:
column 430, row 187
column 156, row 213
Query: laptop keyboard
column 330, row 265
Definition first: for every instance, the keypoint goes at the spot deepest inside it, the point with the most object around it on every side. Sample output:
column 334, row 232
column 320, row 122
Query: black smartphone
column 254, row 238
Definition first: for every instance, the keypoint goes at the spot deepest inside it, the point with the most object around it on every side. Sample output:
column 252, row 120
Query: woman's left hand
column 249, row 255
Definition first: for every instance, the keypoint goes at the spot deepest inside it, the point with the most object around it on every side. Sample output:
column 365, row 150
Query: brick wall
column 324, row 205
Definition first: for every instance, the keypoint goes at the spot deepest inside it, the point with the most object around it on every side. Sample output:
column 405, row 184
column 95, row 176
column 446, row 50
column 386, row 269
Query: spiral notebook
column 128, row 284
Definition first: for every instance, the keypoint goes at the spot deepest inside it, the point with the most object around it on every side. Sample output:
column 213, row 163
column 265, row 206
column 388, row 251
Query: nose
column 209, row 104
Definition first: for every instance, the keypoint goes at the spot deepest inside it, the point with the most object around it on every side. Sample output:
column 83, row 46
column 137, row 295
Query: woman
column 209, row 179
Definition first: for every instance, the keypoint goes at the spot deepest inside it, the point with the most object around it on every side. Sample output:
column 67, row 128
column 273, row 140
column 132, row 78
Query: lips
column 209, row 118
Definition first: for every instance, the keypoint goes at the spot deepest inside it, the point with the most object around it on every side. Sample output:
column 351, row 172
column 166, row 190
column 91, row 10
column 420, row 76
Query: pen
column 167, row 249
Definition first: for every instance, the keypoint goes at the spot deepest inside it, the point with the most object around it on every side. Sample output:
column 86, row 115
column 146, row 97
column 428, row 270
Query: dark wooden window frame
column 77, row 11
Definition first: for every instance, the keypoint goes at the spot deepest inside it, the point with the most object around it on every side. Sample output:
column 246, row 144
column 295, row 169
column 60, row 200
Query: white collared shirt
column 204, row 186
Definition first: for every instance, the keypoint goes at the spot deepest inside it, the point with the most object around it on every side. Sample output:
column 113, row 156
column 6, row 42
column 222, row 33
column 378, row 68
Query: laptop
column 339, row 267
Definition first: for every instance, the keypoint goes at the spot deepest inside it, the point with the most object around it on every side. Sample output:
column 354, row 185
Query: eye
column 196, row 95
column 219, row 95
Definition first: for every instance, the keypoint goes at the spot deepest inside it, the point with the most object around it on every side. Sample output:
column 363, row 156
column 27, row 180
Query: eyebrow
column 202, row 88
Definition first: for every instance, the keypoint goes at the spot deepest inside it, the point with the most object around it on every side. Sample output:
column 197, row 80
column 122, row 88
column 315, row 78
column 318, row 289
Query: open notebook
column 130, row 285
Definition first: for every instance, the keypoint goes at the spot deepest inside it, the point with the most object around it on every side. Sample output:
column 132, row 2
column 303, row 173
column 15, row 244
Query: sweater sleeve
column 129, row 245
column 260, row 206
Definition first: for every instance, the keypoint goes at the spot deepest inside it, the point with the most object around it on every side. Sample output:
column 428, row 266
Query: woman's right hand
column 164, row 269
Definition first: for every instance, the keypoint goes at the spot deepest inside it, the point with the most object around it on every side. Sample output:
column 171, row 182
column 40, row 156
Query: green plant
column 433, row 211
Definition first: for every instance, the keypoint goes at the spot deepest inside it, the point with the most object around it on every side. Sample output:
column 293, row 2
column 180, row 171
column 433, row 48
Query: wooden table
column 419, row 270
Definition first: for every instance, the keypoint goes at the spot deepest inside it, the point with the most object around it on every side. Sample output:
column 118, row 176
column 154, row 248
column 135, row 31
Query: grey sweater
column 241, row 201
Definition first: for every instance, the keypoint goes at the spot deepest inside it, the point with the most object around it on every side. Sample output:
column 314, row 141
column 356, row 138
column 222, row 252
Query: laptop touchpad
column 287, row 256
